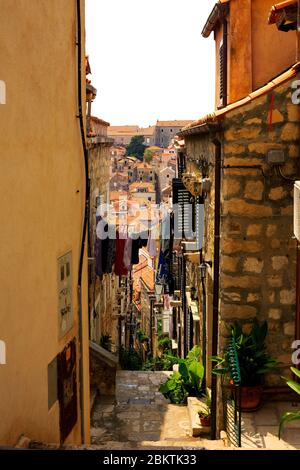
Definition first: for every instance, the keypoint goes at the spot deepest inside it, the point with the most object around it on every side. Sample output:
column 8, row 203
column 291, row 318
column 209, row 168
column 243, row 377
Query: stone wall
column 102, row 291
column 102, row 375
column 138, row 387
column 258, row 252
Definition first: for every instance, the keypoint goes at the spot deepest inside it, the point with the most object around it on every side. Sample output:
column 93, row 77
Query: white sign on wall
column 2, row 353
column 2, row 92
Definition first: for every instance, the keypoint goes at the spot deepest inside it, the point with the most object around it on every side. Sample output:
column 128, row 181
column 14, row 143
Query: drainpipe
column 204, row 334
column 216, row 284
column 297, row 325
column 184, row 307
column 298, row 33
column 86, row 214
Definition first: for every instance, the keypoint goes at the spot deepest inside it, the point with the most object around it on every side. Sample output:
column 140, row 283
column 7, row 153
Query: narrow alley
column 150, row 260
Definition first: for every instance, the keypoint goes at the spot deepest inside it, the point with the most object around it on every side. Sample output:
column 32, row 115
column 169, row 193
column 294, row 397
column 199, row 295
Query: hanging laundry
column 138, row 241
column 127, row 253
column 120, row 268
column 105, row 247
column 152, row 245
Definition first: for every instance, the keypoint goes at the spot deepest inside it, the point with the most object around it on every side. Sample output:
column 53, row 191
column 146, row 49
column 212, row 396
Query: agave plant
column 290, row 416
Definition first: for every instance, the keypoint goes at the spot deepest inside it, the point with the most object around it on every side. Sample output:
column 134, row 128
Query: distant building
column 142, row 190
column 122, row 135
column 165, row 177
column 159, row 135
column 165, row 131
column 144, row 172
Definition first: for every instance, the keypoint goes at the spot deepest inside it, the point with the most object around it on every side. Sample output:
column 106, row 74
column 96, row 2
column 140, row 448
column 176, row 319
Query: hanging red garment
column 120, row 268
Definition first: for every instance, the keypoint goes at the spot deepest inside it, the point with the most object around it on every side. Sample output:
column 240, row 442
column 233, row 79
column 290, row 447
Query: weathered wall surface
column 102, row 375
column 42, row 205
column 258, row 252
column 102, row 289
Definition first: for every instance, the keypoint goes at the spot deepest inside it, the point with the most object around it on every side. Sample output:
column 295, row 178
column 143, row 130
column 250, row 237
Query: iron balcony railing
column 231, row 396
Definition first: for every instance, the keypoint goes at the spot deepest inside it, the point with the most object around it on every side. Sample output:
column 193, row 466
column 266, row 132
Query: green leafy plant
column 141, row 336
column 254, row 360
column 163, row 362
column 290, row 416
column 164, row 343
column 206, row 413
column 130, row 359
column 187, row 381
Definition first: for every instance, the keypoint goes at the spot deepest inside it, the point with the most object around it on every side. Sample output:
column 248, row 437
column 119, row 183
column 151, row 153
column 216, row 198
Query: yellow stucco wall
column 42, row 203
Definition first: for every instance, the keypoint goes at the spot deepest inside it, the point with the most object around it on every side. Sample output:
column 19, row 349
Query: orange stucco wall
column 239, row 50
column 273, row 50
column 257, row 51
column 42, row 204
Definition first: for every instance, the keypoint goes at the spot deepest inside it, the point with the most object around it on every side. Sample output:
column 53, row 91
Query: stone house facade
column 165, row 131
column 247, row 155
column 257, row 249
column 102, row 290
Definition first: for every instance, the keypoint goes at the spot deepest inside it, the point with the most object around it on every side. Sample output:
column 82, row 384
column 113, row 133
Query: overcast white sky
column 149, row 60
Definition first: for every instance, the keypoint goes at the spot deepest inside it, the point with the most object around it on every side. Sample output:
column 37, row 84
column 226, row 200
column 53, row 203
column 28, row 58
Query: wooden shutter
column 182, row 210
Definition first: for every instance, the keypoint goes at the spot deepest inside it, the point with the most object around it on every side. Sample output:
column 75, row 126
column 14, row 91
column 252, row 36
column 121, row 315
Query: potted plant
column 253, row 360
column 205, row 414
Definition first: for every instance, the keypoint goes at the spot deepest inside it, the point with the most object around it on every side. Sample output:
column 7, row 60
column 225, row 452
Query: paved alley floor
column 260, row 429
column 143, row 426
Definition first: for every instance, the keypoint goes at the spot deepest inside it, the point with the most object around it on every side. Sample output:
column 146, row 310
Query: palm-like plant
column 291, row 415
column 254, row 360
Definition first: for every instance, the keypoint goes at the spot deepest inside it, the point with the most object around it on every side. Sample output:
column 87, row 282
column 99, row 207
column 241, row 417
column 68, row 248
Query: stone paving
column 260, row 429
column 138, row 425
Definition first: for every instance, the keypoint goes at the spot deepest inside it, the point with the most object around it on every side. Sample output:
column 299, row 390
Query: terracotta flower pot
column 251, row 398
column 205, row 420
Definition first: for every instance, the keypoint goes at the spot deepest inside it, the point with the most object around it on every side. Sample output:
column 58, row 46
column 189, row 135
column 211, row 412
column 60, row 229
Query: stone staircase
column 141, row 418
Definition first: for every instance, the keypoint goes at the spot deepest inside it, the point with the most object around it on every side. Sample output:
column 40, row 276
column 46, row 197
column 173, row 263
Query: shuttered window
column 183, row 210
column 222, row 74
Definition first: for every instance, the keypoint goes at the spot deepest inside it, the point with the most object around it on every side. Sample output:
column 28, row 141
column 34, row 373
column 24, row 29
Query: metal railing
column 231, row 396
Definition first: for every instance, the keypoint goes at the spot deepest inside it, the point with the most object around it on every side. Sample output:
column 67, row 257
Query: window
column 162, row 130
column 223, row 67
column 171, row 130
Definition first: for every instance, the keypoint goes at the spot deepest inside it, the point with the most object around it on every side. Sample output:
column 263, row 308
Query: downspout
column 298, row 33
column 184, row 307
column 86, row 214
column 297, row 324
column 204, row 334
column 216, row 284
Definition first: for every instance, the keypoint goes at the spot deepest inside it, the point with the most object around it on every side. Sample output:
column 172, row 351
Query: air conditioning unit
column 297, row 210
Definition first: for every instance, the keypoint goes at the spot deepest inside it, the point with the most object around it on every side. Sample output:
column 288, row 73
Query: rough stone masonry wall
column 104, row 288
column 140, row 387
column 258, row 252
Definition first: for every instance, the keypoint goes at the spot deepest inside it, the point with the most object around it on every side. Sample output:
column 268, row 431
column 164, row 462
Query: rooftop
column 173, row 123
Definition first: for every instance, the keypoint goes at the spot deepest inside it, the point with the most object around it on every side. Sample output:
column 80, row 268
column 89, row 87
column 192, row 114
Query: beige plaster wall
column 42, row 203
